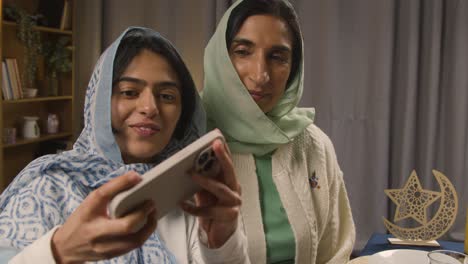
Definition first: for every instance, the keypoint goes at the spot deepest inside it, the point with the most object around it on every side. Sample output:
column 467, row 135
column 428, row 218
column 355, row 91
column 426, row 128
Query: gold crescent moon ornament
column 412, row 202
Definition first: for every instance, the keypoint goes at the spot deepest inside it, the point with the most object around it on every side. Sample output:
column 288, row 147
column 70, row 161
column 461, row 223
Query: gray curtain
column 389, row 83
column 187, row 24
column 348, row 80
column 388, row 80
column 88, row 39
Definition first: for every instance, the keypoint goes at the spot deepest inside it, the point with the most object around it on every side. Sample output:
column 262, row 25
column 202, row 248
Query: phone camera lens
column 208, row 165
column 203, row 158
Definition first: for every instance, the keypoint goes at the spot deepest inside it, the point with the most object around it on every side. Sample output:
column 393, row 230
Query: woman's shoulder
column 317, row 136
column 322, row 143
column 45, row 184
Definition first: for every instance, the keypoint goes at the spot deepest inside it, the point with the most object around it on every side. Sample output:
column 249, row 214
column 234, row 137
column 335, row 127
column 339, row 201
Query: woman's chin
column 142, row 156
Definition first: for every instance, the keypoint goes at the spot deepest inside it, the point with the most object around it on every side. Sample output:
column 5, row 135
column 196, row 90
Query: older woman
column 295, row 207
column 141, row 107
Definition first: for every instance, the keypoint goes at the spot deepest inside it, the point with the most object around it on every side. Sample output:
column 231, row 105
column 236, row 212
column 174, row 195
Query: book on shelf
column 66, row 20
column 14, row 76
column 20, row 85
column 6, row 84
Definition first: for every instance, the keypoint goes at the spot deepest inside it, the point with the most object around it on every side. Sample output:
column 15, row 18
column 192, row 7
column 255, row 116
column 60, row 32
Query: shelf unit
column 43, row 29
column 15, row 156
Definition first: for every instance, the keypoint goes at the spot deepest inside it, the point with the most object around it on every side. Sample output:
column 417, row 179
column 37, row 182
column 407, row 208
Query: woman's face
column 146, row 105
column 261, row 53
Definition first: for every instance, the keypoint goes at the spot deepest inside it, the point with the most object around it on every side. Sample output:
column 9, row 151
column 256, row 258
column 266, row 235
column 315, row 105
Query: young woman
column 295, row 207
column 141, row 107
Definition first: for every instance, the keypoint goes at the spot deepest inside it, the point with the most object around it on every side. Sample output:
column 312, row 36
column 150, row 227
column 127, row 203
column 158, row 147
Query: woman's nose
column 147, row 104
column 260, row 74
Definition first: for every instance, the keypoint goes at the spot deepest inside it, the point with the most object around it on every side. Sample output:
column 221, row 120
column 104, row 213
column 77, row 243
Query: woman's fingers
column 218, row 213
column 227, row 167
column 127, row 224
column 119, row 184
column 99, row 198
column 205, row 198
column 221, row 191
column 226, row 208
column 134, row 221
column 112, row 246
column 89, row 234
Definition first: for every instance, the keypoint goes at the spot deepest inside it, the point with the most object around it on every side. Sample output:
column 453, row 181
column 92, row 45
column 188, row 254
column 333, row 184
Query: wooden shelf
column 22, row 141
column 42, row 29
column 14, row 157
column 39, row 99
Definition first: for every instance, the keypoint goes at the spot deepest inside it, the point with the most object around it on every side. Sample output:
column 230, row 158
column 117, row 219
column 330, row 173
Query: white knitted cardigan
column 320, row 217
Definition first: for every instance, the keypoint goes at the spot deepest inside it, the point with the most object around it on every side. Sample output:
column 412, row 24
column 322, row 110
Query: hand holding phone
column 169, row 183
column 105, row 238
column 218, row 203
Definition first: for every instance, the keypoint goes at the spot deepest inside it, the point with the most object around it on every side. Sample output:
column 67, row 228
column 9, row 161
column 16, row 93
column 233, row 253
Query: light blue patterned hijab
column 50, row 188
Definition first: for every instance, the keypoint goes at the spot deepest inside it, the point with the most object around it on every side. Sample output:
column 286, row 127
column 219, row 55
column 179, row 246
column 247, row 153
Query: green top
column 279, row 237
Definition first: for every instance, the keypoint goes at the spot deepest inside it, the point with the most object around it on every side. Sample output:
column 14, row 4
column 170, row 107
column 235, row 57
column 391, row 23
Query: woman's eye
column 167, row 97
column 241, row 52
column 129, row 93
column 280, row 58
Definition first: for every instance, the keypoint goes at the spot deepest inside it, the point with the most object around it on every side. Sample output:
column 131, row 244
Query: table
column 378, row 242
column 360, row 260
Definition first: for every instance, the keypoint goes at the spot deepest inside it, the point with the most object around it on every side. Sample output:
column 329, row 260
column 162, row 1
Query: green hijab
column 230, row 107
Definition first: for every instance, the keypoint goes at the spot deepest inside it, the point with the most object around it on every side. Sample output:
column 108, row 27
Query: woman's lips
column 146, row 130
column 257, row 96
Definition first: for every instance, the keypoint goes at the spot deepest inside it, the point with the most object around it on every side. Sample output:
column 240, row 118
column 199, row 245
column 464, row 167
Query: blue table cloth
column 378, row 242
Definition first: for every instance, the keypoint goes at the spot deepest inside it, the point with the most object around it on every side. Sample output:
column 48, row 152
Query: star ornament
column 412, row 201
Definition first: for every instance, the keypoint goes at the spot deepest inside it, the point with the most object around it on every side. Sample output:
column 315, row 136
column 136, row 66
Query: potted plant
column 57, row 57
column 31, row 38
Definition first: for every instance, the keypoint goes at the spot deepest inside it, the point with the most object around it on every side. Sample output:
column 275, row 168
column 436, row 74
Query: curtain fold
column 88, row 41
column 429, row 112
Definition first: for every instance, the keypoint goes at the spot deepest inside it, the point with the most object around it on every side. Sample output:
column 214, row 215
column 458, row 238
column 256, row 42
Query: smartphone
column 169, row 183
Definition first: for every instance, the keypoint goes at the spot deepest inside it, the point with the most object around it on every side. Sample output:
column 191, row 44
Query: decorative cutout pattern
column 412, row 202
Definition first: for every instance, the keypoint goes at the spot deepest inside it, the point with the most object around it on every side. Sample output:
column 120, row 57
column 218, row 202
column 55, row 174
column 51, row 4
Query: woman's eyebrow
column 140, row 82
column 167, row 84
column 282, row 48
column 247, row 42
column 242, row 41
column 131, row 79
